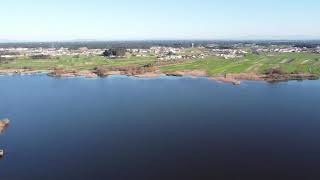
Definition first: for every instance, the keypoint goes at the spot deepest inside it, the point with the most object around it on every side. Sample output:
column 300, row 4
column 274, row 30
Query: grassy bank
column 78, row 63
column 287, row 62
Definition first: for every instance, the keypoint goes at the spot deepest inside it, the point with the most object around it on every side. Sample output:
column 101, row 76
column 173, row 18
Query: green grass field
column 287, row 62
column 79, row 63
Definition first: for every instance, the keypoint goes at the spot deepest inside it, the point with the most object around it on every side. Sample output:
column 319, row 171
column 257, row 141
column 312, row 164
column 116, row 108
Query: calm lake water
column 165, row 128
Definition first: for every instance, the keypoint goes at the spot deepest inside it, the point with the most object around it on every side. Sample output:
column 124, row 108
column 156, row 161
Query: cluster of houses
column 228, row 53
column 158, row 51
column 167, row 53
column 29, row 52
column 277, row 49
column 162, row 53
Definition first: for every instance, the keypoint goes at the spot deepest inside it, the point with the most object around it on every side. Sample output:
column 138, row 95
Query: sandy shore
column 22, row 71
column 225, row 80
column 193, row 73
column 150, row 75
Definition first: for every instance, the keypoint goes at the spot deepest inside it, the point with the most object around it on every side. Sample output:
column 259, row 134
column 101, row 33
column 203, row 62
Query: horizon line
column 137, row 40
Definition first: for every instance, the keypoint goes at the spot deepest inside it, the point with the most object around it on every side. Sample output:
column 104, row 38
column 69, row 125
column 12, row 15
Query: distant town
column 163, row 53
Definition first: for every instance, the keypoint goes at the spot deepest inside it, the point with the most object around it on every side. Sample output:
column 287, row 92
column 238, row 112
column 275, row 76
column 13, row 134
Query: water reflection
column 165, row 128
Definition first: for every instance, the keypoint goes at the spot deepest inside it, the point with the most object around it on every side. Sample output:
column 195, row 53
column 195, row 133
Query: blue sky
column 45, row 20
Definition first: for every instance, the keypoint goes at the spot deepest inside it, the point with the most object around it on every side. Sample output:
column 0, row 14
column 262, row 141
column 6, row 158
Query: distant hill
column 4, row 40
column 9, row 41
column 275, row 38
column 238, row 38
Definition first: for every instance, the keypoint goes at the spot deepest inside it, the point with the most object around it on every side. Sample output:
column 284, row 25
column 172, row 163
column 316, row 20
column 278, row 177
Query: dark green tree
column 116, row 52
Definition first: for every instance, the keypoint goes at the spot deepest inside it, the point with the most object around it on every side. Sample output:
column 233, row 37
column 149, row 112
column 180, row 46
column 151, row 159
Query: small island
column 3, row 124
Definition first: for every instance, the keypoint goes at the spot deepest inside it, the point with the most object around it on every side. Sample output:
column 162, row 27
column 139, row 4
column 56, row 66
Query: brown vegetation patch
column 130, row 70
column 59, row 72
column 244, row 76
column 276, row 74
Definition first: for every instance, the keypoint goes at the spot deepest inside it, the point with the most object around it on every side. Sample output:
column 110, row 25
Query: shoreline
column 231, row 78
